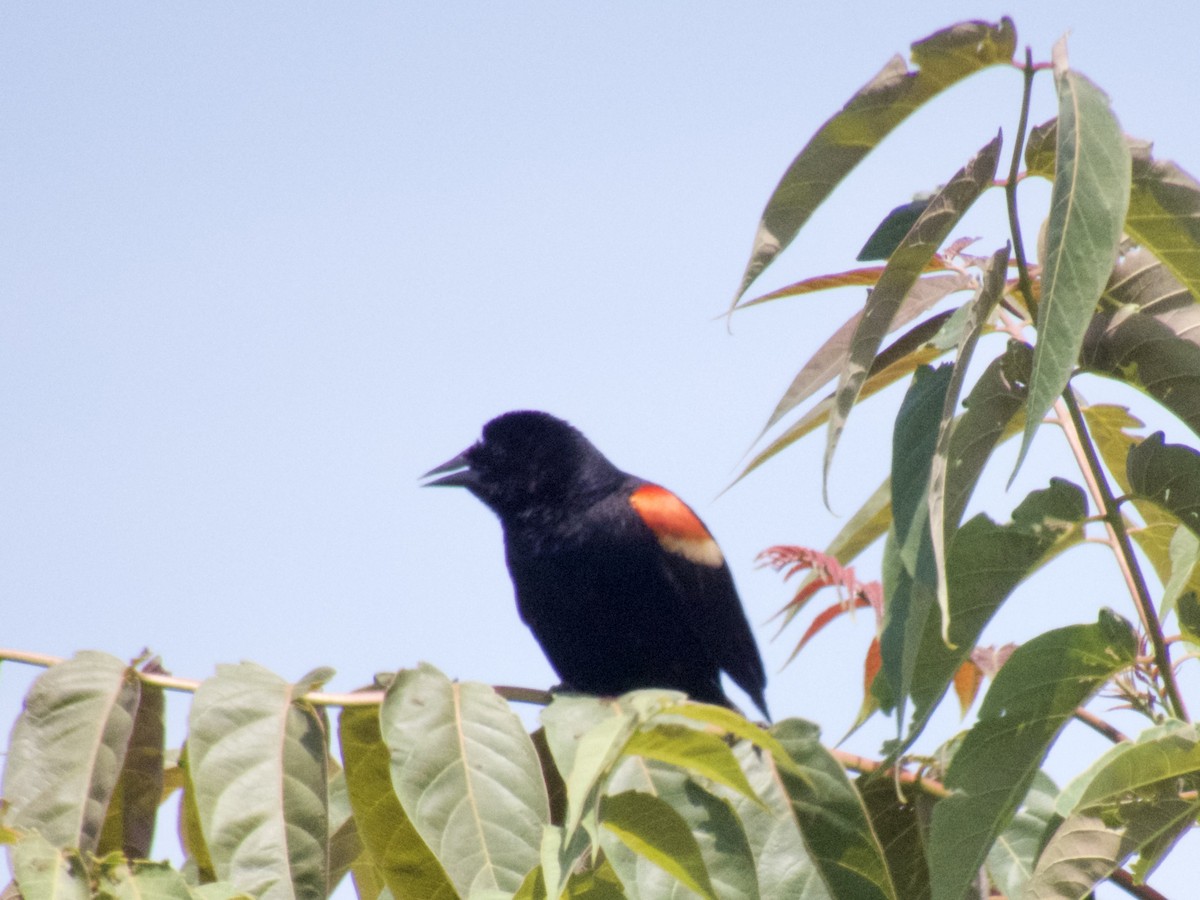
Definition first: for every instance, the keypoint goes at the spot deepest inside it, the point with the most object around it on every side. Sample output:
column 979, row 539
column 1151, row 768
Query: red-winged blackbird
column 618, row 579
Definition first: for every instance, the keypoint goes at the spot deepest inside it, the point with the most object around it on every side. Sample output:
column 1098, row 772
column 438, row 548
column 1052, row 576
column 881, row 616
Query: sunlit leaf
column 832, row 818
column 1011, row 860
column 883, row 103
column 68, row 749
column 906, row 263
column 257, row 762
column 399, row 856
column 699, row 752
column 468, row 777
column 1087, row 212
column 44, row 872
column 1164, row 213
column 1033, row 696
column 652, row 829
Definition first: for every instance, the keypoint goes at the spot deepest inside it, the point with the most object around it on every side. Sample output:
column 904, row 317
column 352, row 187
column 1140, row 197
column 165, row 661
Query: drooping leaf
column 1087, row 212
column 824, row 365
column 913, row 350
column 910, row 579
column 906, row 263
column 1147, row 334
column 257, row 761
column 832, row 818
column 399, row 855
column 468, row 777
column 883, row 103
column 980, row 310
column 1033, row 697
column 1169, row 476
column 129, row 824
column 68, row 749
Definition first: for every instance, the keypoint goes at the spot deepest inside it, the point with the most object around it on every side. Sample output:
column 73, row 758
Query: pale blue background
column 264, row 264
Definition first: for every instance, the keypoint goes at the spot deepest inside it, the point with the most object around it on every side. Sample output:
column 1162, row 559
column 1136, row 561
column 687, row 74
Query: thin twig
column 1097, row 481
column 1125, row 882
column 1093, row 721
column 1010, row 189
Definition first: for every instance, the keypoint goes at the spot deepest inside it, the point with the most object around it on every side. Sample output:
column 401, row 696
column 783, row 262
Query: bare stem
column 1114, row 522
column 1010, row 189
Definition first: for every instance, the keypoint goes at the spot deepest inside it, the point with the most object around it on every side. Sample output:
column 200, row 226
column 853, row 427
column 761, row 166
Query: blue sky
column 265, row 264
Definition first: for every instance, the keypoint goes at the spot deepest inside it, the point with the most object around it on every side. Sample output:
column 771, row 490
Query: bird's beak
column 458, row 473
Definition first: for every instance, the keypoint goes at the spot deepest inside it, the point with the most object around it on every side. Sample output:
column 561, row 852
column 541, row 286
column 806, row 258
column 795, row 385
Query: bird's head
column 527, row 460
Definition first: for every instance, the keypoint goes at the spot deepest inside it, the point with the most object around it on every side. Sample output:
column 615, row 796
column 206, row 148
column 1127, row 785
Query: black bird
column 620, row 582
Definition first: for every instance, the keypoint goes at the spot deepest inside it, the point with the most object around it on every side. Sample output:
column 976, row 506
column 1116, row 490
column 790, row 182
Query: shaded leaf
column 129, row 825
column 883, row 103
column 901, row 823
column 1011, row 861
column 1147, row 334
column 906, row 263
column 1032, row 698
column 68, row 748
column 1169, row 476
column 979, row 311
column 832, row 818
column 401, row 858
column 1087, row 212
column 987, row 562
column 468, row 777
column 891, row 231
column 257, row 764
column 652, row 829
column 1164, row 213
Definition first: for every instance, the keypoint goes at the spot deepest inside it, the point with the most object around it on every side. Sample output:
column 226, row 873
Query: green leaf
column 1032, row 697
column 1087, row 212
column 980, row 310
column 468, row 777
column 832, row 818
column 44, row 872
column 699, row 752
column 68, row 748
column 824, row 365
column 891, row 231
column 129, row 825
column 901, row 823
column 1169, row 476
column 257, row 761
column 986, row 563
column 870, row 115
column 910, row 578
column 784, row 866
column 1164, row 213
column 905, row 265
column 398, row 854
column 991, row 410
column 710, row 819
column 1147, row 335
column 144, row 881
column 1087, row 847
column 345, row 846
column 651, row 828
column 1011, row 861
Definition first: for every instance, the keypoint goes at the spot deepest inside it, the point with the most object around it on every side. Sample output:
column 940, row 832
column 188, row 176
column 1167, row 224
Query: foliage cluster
column 436, row 790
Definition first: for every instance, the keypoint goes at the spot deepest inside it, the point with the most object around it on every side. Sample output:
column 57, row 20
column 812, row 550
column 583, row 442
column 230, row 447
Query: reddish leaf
column 828, row 615
column 871, row 666
column 967, row 680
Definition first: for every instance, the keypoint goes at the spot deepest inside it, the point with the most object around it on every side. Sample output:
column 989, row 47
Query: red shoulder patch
column 677, row 528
